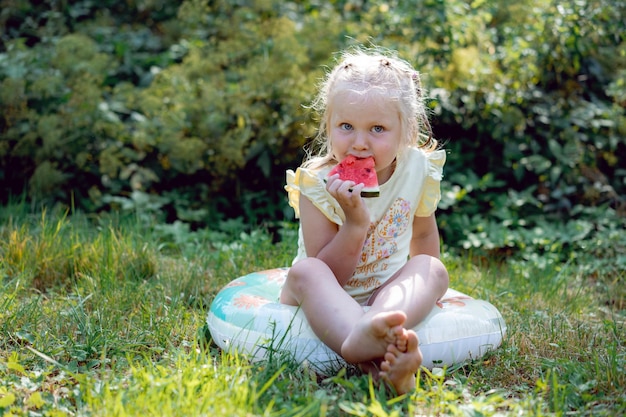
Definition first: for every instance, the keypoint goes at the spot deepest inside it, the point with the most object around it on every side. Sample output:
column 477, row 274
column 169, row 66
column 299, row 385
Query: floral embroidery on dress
column 381, row 238
column 380, row 244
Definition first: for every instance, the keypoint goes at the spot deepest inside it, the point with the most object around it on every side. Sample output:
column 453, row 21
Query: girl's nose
column 360, row 141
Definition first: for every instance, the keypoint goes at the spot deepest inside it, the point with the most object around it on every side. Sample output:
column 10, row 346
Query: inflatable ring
column 246, row 317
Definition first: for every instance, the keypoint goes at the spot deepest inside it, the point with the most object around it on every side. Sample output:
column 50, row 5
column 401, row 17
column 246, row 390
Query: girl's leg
column 333, row 314
column 414, row 290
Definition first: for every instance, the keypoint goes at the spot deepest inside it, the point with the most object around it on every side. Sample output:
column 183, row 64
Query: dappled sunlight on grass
column 121, row 331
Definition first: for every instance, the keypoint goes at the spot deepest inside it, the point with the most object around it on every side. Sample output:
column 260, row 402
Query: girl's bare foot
column 399, row 367
column 372, row 335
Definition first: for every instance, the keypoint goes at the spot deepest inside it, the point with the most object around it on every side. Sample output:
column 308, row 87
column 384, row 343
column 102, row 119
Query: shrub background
column 192, row 111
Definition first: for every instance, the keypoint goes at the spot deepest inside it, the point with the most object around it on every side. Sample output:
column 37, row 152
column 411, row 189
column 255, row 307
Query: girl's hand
column 348, row 195
column 338, row 246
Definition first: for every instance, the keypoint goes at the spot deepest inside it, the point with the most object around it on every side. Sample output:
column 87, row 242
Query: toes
column 402, row 341
column 389, row 325
column 398, row 332
column 395, row 319
column 412, row 341
column 393, row 349
column 390, row 359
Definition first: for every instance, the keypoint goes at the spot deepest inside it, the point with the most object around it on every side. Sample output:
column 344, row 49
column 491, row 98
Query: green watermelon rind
column 370, row 194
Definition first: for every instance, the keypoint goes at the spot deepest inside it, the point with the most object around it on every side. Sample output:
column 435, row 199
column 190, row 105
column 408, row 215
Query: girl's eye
column 378, row 129
column 346, row 126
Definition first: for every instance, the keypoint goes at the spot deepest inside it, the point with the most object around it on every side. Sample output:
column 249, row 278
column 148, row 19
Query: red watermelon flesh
column 359, row 170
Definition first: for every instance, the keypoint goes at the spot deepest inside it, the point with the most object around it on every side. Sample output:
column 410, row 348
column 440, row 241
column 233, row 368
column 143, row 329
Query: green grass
column 105, row 316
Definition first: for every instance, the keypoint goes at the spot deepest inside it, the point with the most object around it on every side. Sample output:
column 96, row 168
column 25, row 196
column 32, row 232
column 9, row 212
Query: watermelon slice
column 359, row 170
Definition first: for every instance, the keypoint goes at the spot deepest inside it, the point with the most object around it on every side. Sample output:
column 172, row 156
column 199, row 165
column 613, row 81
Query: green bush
column 543, row 127
column 224, row 123
column 192, row 112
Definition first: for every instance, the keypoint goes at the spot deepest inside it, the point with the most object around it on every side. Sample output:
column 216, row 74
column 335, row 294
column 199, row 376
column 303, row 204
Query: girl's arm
column 339, row 247
column 425, row 238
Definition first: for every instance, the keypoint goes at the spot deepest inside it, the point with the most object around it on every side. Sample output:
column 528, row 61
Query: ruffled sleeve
column 432, row 190
column 311, row 184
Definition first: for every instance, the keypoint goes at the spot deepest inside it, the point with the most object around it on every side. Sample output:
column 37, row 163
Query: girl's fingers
column 334, row 185
column 357, row 188
column 348, row 188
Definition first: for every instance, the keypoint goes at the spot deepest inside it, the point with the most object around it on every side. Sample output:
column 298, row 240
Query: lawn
column 105, row 316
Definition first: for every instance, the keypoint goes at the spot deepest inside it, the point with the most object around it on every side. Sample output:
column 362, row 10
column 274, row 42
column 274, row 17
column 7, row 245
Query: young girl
column 368, row 269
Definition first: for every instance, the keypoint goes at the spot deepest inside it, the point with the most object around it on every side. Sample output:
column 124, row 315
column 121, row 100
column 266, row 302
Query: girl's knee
column 304, row 268
column 437, row 271
column 440, row 272
column 300, row 276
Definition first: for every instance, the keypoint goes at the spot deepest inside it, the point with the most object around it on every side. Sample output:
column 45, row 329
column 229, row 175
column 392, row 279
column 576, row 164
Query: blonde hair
column 373, row 71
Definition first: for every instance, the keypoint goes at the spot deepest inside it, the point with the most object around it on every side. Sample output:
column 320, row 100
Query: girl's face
column 365, row 125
